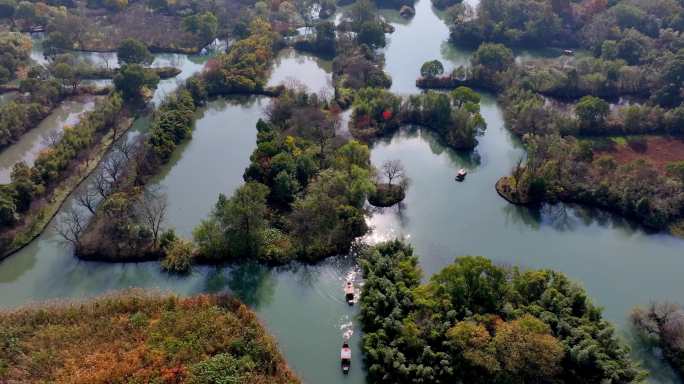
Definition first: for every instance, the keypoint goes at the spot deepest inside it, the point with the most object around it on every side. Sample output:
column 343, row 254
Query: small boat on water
column 461, row 174
column 349, row 293
column 345, row 356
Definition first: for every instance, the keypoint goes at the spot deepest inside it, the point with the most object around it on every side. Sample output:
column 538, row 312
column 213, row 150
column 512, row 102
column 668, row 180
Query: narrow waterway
column 620, row 264
column 30, row 144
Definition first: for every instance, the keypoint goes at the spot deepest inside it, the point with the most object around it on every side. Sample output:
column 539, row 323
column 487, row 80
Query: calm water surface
column 619, row 264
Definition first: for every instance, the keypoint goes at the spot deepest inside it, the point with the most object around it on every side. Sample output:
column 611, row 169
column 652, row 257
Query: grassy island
column 139, row 337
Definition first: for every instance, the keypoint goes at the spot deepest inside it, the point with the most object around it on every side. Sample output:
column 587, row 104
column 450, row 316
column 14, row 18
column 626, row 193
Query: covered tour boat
column 345, row 356
column 461, row 174
column 349, row 293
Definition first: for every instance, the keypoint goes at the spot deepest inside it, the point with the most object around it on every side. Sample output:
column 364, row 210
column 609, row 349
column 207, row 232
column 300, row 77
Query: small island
column 139, row 337
column 393, row 190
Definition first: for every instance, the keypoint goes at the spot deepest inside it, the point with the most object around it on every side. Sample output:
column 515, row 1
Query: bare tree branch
column 87, row 198
column 152, row 208
column 70, row 226
column 102, row 184
column 393, row 169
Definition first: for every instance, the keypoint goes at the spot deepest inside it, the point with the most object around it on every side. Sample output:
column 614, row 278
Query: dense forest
column 481, row 323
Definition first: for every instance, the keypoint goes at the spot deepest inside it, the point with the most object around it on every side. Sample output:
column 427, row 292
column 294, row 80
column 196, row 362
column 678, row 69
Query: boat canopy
column 346, row 354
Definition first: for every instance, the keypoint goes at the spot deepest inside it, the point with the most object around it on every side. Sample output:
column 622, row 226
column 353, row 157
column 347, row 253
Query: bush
column 179, row 256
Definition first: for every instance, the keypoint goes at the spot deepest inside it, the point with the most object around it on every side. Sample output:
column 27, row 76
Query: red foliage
column 212, row 65
column 387, row 114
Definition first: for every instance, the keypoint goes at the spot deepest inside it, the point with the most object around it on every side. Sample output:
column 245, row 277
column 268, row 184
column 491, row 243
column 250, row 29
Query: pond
column 619, row 263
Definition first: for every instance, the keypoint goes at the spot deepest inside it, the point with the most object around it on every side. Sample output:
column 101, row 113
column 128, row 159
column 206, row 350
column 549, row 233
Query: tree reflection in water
column 252, row 283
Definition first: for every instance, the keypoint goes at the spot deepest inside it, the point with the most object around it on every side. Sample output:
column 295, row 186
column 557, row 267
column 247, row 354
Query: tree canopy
column 477, row 322
column 432, row 68
column 132, row 51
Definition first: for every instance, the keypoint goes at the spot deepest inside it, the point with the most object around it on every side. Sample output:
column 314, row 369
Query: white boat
column 461, row 174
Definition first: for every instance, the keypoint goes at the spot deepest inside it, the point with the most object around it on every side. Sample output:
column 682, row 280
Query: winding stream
column 620, row 264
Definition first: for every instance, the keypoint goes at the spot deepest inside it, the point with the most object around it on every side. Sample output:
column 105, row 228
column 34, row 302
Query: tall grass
column 139, row 337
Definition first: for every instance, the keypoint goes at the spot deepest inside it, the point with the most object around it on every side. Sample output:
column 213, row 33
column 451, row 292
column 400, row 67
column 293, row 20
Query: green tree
column 671, row 92
column 8, row 209
column 632, row 47
column 65, row 73
column 494, row 57
column 371, row 33
column 132, row 78
column 243, row 219
column 204, row 25
column 432, row 69
column 132, row 51
column 463, row 96
column 592, row 111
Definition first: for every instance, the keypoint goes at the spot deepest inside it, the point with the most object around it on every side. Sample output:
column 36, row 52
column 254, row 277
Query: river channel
column 619, row 263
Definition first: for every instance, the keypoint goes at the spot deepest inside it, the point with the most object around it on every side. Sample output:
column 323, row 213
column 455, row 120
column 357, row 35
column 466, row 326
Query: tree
column 632, row 47
column 592, row 111
column 179, row 255
column 662, row 325
column 102, row 184
column 132, row 51
column 371, row 33
column 8, row 209
column 152, row 208
column 494, row 57
column 431, row 69
column 462, row 96
column 236, row 227
column 393, row 169
column 71, row 226
column 131, row 80
column 114, row 167
column 204, row 25
column 24, row 187
column 66, row 74
column 87, row 197
column 671, row 92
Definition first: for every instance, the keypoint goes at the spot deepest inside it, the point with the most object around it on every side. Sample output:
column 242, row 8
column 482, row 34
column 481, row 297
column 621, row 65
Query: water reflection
column 293, row 67
column 252, row 283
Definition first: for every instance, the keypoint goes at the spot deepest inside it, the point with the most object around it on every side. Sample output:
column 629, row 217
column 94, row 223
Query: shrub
column 179, row 256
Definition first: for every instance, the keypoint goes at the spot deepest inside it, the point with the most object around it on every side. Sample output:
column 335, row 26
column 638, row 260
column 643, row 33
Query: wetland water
column 620, row 265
